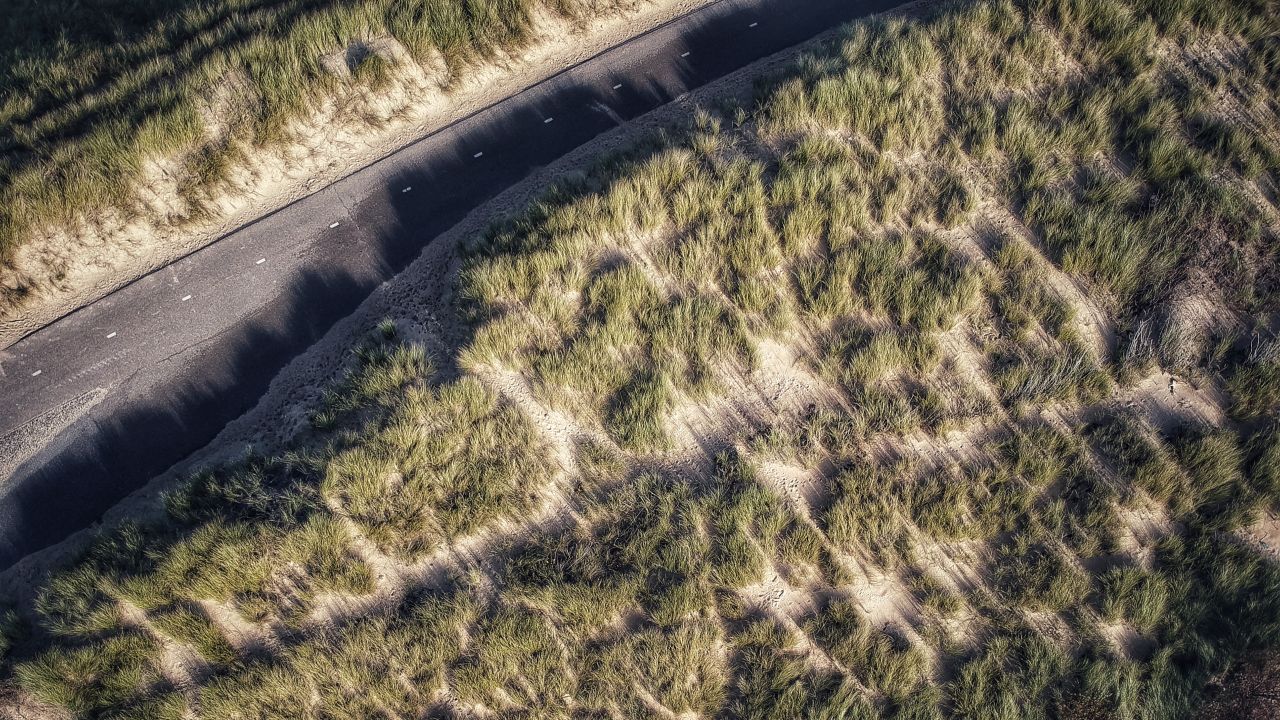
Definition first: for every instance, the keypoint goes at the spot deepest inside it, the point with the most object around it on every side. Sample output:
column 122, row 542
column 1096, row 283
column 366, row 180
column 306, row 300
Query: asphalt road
column 160, row 366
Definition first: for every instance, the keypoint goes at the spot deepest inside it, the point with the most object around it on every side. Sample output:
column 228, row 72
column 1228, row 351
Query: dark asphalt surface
column 163, row 364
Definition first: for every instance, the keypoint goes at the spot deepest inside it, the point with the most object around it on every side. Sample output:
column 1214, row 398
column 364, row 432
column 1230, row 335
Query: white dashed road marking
column 333, row 226
column 753, row 24
column 478, row 154
column 544, row 122
column 685, row 54
column 618, row 86
column 407, row 188
column 186, row 298
column 36, row 373
column 260, row 261
column 111, row 336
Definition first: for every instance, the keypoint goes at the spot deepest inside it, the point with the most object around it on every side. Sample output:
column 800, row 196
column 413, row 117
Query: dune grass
column 1255, row 388
column 374, row 665
column 1124, row 442
column 774, row 682
column 90, row 680
column 12, row 630
column 448, row 461
column 628, row 340
column 1135, row 596
column 884, row 661
column 959, row 522
column 193, row 628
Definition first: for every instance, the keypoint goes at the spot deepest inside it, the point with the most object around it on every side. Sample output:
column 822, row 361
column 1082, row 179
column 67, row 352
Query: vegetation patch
column 964, row 494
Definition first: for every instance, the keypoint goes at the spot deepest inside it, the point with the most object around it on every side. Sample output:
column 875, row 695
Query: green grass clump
column 12, row 630
column 951, row 401
column 382, row 372
column 192, row 627
column 881, row 660
column 860, row 356
column 773, row 682
column 81, row 600
column 1014, row 675
column 92, row 93
column 934, row 595
column 886, row 97
column 376, row 664
column 1135, row 596
column 1038, row 576
column 657, row 547
column 970, row 502
column 1139, row 460
column 864, row 514
column 896, row 380
column 1264, row 470
column 681, row 668
column 1025, row 300
column 115, row 672
column 1217, row 490
column 624, row 350
column 1255, row 390
column 913, row 280
column 1222, row 601
column 277, row 491
column 242, row 563
column 1071, row 374
column 447, row 461
column 218, row 561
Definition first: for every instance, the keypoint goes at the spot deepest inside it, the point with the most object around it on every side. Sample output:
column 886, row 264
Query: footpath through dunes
column 828, row 404
column 170, row 359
